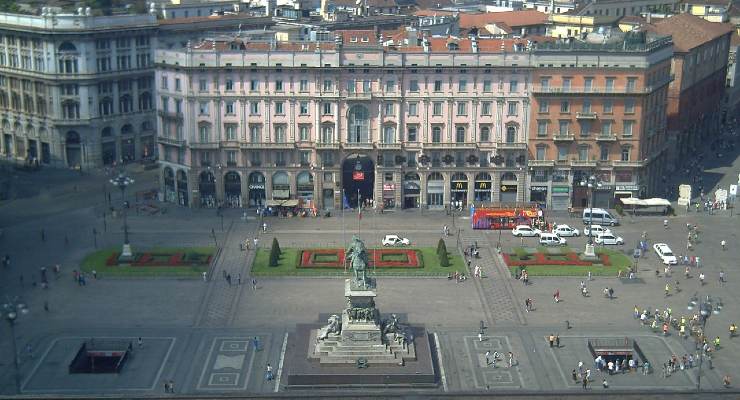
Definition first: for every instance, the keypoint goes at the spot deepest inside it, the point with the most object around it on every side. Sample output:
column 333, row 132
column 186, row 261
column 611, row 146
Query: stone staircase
column 333, row 351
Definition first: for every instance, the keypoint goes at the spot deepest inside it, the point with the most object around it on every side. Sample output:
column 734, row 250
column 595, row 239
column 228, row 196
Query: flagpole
column 359, row 213
column 344, row 236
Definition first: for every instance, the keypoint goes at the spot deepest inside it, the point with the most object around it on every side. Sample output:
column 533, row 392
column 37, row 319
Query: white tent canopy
column 631, row 201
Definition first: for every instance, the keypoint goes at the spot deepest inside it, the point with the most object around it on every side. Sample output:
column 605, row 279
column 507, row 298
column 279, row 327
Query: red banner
column 358, row 176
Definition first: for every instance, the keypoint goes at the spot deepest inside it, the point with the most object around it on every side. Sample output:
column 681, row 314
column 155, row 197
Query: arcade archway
column 358, row 176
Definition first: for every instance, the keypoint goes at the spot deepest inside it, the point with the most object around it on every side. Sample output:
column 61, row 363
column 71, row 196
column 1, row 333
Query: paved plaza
column 201, row 334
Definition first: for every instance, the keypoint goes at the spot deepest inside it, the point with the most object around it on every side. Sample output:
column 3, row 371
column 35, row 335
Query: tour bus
column 504, row 216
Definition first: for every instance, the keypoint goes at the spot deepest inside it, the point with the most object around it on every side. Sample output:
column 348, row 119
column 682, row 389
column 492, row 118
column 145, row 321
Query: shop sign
column 459, row 186
column 538, row 188
column 561, row 189
column 627, row 188
column 256, row 186
column 508, row 188
column 358, row 176
column 389, row 186
column 604, row 187
column 482, row 185
column 280, row 194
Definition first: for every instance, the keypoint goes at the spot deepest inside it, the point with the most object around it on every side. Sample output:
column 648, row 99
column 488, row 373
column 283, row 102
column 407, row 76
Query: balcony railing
column 171, row 141
column 230, row 144
column 586, row 115
column 583, row 163
column 512, row 146
column 449, row 145
column 620, row 163
column 563, row 137
column 170, row 114
column 606, row 137
column 358, row 95
column 541, row 163
column 389, row 146
column 327, row 145
column 204, row 145
column 358, row 145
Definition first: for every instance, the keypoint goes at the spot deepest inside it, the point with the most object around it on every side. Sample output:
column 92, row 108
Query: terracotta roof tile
column 363, row 37
column 511, row 18
column 689, row 31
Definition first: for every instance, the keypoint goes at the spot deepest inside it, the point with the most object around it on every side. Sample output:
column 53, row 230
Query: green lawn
column 618, row 260
column 288, row 265
column 96, row 261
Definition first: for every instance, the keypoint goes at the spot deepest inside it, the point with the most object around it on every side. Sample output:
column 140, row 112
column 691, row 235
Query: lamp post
column 706, row 308
column 591, row 182
column 121, row 181
column 12, row 308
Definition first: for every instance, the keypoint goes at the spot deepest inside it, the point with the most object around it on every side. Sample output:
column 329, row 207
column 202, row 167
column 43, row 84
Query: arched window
column 483, row 176
column 359, row 124
column 107, row 132
column 511, row 134
column 280, row 178
column 389, row 134
column 508, row 176
column 204, row 132
column 145, row 101
column 72, row 137
column 70, row 110
column 411, row 176
column 67, row 47
column 126, row 104
column 460, row 134
column 435, row 176
column 459, row 177
column 127, row 129
column 304, row 179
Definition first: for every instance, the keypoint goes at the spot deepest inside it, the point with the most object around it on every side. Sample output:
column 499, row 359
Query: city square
column 200, row 334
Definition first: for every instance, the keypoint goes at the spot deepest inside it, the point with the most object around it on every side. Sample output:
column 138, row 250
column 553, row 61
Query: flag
column 359, row 212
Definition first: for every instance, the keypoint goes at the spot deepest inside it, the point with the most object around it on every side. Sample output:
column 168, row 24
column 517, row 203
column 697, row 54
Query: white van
column 551, row 239
column 598, row 216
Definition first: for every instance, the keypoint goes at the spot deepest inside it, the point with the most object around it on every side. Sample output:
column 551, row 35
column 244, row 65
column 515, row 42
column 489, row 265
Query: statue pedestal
column 590, row 251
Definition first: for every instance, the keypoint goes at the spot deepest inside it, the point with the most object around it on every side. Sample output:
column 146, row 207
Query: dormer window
column 453, row 46
column 365, row 39
column 353, row 39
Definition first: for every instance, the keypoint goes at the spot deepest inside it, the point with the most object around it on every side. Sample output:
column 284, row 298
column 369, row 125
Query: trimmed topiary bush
column 441, row 247
column 274, row 253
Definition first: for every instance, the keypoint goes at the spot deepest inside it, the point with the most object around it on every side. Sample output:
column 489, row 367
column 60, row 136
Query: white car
column 608, row 238
column 566, row 231
column 395, row 240
column 595, row 230
column 525, row 230
column 665, row 254
column 551, row 239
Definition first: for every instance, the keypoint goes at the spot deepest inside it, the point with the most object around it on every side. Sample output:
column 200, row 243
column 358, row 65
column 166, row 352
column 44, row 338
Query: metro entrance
column 358, row 173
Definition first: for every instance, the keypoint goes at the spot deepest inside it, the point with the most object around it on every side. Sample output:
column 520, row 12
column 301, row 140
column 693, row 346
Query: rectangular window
column 588, row 84
column 254, row 108
column 562, row 153
column 462, row 85
column 303, row 85
column 203, row 108
column 411, row 134
column 413, row 109
column 230, row 108
column 487, row 86
column 631, row 84
column 437, row 86
column 255, row 134
column 485, row 134
column 604, row 153
column 628, row 127
column 585, row 128
column 462, row 108
column 609, row 84
column 485, row 108
column 351, row 86
column 278, row 85
column 563, row 127
column 608, row 107
column 566, row 84
column 366, row 87
column 544, row 106
column 163, row 82
column 414, row 86
column 437, row 108
column 326, row 108
column 279, row 108
column 204, row 134
column 540, row 155
column 305, row 158
column 541, row 128
column 390, row 86
column 254, row 85
column 606, row 128
column 231, row 158
column 513, row 86
column 255, row 158
column 564, row 106
column 629, row 106
column 512, row 108
column 545, row 83
column 328, row 85
column 229, row 84
column 304, row 134
column 582, row 153
column 625, row 154
column 230, row 131
column 279, row 134
column 303, row 109
column 436, row 134
column 202, row 85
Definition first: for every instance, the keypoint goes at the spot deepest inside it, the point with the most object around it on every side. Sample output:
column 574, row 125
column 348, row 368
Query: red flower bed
column 308, row 258
column 157, row 260
column 541, row 259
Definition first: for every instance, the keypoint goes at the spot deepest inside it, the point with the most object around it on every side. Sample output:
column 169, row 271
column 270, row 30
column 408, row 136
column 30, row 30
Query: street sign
column 733, row 190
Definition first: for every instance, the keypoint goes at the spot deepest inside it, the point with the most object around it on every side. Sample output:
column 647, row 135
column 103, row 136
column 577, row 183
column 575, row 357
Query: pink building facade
column 319, row 124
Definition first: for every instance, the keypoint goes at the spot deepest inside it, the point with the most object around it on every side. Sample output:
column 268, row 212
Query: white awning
column 630, row 201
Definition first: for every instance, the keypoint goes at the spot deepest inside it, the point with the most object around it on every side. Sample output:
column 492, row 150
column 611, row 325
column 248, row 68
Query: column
column 499, row 120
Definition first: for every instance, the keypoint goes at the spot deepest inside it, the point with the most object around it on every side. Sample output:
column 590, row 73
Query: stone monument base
column 303, row 371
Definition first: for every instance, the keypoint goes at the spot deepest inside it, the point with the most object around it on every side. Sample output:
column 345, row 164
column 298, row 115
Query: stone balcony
column 633, row 164
column 230, row 144
column 389, row 146
column 267, row 145
column 583, row 163
column 511, row 145
column 564, row 137
column 541, row 163
column 449, row 145
column 610, row 137
column 585, row 115
column 358, row 146
column 171, row 141
column 327, row 145
column 205, row 145
column 170, row 114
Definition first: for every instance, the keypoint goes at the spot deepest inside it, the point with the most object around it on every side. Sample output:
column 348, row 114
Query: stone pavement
column 201, row 331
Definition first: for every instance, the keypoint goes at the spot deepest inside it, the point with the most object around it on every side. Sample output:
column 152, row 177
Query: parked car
column 395, row 240
column 608, row 238
column 551, row 239
column 665, row 254
column 599, row 216
column 525, row 230
column 595, row 230
column 566, row 231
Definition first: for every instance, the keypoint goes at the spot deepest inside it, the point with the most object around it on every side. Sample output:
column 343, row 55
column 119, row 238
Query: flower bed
column 379, row 258
column 514, row 260
column 162, row 259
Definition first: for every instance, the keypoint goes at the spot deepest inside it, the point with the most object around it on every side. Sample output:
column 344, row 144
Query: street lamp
column 12, row 308
column 121, row 181
column 591, row 182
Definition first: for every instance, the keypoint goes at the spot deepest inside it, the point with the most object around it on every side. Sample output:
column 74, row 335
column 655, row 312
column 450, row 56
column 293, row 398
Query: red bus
column 504, row 217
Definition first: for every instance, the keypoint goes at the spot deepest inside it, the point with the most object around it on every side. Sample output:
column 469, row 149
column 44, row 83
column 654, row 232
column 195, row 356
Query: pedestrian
column 665, row 224
column 172, row 386
column 228, row 279
column 224, row 273
column 268, row 372
column 239, row 279
column 205, row 276
column 722, row 276
column 95, row 274
column 166, row 387
column 480, row 336
column 557, row 341
column 589, row 275
column 488, row 357
column 551, row 339
column 667, row 290
column 585, row 383
column 701, row 278
column 574, row 376
column 256, row 343
column 556, row 296
column 255, row 240
column 726, row 381
column 723, row 243
column 605, row 384
column 264, row 229
column 511, row 359
column 254, row 284
column 140, row 342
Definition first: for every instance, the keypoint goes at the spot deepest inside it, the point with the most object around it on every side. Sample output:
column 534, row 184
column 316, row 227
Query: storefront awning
column 645, row 202
column 282, row 203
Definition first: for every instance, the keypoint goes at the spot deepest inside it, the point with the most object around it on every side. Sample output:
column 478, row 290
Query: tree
column 444, row 260
column 441, row 247
column 274, row 253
